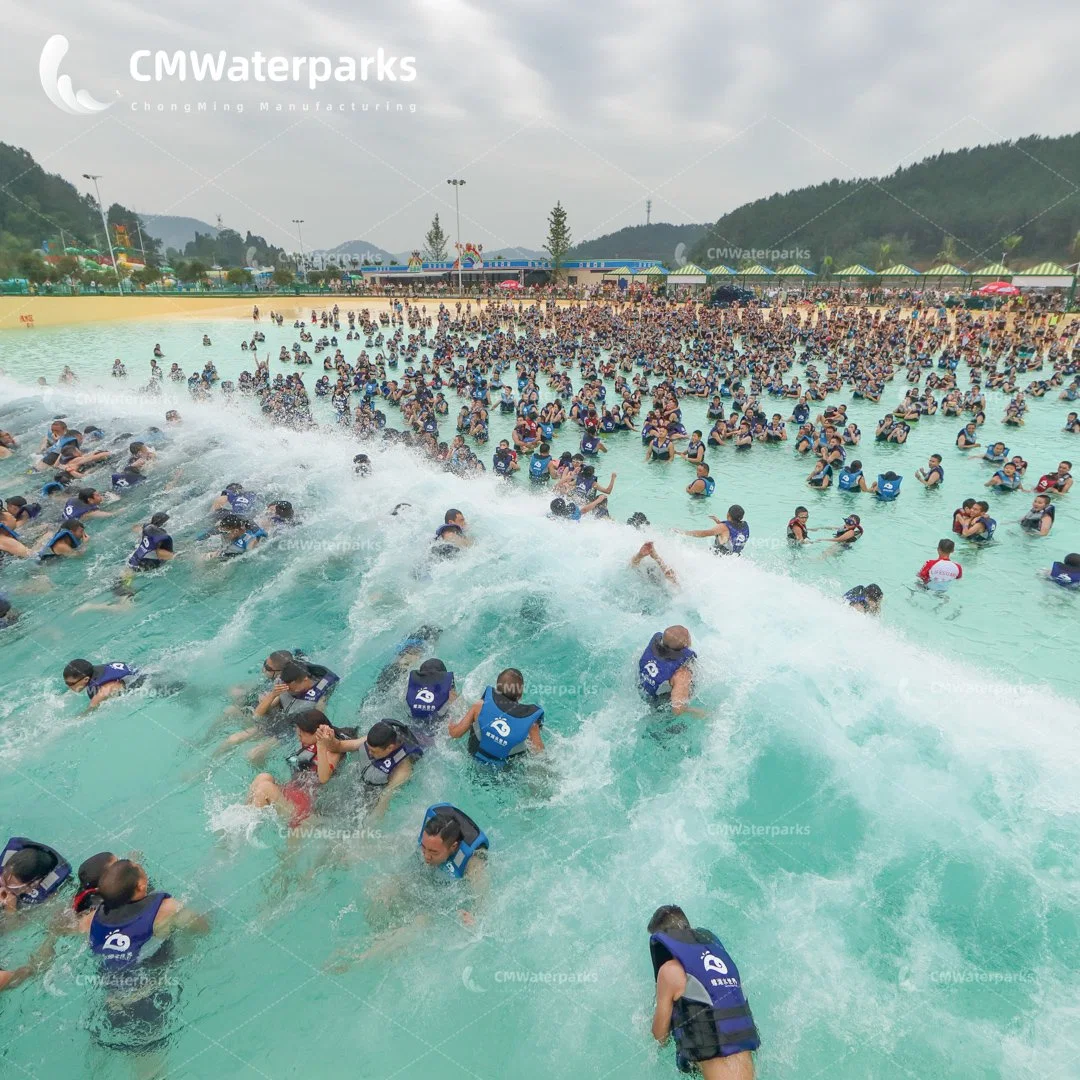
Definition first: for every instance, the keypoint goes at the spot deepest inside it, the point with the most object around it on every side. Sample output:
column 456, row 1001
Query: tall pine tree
column 435, row 242
column 558, row 240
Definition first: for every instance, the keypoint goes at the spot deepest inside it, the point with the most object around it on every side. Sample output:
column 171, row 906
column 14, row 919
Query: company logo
column 117, row 942
column 58, row 87
column 467, row 982
column 680, row 255
column 501, row 727
column 714, row 963
column 425, row 696
column 652, row 669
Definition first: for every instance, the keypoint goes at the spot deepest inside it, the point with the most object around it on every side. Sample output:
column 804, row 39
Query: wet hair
column 5, row 607
column 735, row 513
column 280, row 657
column 856, row 466
column 310, row 721
column 545, row 448
column 637, row 519
column 511, row 684
column 229, row 522
column 434, row 666
column 159, row 519
column 449, row 516
column 136, row 448
column 445, row 828
column 17, row 501
column 85, row 494
column 890, row 476
column 873, row 592
column 118, row 883
column 801, row 510
column 382, row 733
column 947, row 546
column 702, row 465
column 667, row 918
column 967, row 504
column 559, row 507
column 30, row 863
column 293, row 671
column 283, row 510
column 91, row 870
column 78, row 669
column 935, row 457
column 1072, row 560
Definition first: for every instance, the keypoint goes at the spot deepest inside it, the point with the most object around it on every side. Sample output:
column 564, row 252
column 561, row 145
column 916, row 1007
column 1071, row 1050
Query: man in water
column 865, row 598
column 730, row 536
column 665, row 669
column 648, row 551
column 939, row 573
column 700, row 1000
column 500, row 726
column 450, row 536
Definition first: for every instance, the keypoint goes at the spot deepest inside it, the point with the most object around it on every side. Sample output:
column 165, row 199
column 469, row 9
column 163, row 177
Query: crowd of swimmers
column 499, row 356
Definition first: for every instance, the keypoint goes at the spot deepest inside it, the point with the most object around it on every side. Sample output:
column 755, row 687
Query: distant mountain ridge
column 176, row 232
column 659, row 240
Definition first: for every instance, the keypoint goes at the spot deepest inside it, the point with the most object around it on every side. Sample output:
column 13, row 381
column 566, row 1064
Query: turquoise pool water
column 878, row 817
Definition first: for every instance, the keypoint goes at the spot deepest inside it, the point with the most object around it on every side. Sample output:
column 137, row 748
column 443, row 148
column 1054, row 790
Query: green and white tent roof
column 899, row 270
column 689, row 270
column 946, row 270
column 794, row 270
column 622, row 271
column 1044, row 269
column 856, row 270
column 653, row 271
column 994, row 270
column 757, row 270
column 723, row 271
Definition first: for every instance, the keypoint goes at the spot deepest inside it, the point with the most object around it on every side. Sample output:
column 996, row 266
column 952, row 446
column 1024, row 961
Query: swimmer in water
column 865, row 598
column 501, row 728
column 648, row 551
column 666, row 670
column 709, row 1017
column 101, row 681
column 729, row 536
column 450, row 536
column 937, row 574
column 844, row 537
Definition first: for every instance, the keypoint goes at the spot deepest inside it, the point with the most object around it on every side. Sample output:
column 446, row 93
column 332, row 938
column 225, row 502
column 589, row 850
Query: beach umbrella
column 509, row 284
column 999, row 288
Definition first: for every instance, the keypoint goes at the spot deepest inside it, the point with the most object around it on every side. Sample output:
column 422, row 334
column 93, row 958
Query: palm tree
column 1010, row 244
column 883, row 251
column 826, row 266
column 947, row 254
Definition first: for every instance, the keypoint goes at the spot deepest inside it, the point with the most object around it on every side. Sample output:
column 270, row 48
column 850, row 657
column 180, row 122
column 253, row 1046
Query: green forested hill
column 958, row 205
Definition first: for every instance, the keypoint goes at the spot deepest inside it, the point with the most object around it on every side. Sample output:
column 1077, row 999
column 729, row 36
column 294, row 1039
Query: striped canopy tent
column 900, row 270
column 994, row 270
column 621, row 272
column 794, row 270
column 946, row 270
column 758, row 271
column 1045, row 275
column 690, row 274
column 856, row 270
column 656, row 271
column 723, row 271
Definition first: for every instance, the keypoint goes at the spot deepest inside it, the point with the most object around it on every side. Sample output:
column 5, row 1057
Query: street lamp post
column 458, row 184
column 300, row 235
column 142, row 246
column 105, row 225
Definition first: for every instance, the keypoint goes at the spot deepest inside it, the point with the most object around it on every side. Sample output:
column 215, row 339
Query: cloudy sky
column 698, row 106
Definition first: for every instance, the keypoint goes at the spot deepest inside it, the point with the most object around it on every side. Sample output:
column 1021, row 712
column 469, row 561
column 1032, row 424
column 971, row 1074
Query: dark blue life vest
column 74, row 509
column 325, row 681
column 1007, row 482
column 712, row 1017
column 28, row 512
column 849, row 481
column 589, row 444
column 107, row 673
column 120, row 936
column 887, row 490
column 49, row 883
column 121, row 481
column 378, row 770
column 538, row 467
column 154, row 539
column 472, row 837
column 6, row 530
column 426, row 696
column 989, row 525
column 241, row 543
column 710, row 486
column 242, row 502
column 61, row 534
column 655, row 671
column 738, row 534
column 499, row 734
column 1065, row 575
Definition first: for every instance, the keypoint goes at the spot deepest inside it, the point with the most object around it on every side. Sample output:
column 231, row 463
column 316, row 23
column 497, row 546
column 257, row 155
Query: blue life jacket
column 241, row 543
column 61, row 534
column 501, row 462
column 888, row 489
column 998, row 459
column 849, row 481
column 472, row 837
column 325, row 681
column 1065, row 575
column 154, row 539
column 1007, row 483
column 6, row 530
column 426, row 696
column 856, row 595
column 583, row 488
column 989, row 525
column 29, row 512
column 119, row 938
column 59, row 444
column 51, row 487
column 655, row 671
column 126, row 479
column 710, row 486
column 74, row 509
column 500, row 736
column 712, row 1017
column 589, row 443
column 737, row 537
column 547, row 431
column 377, row 771
column 107, row 673
column 242, row 502
column 49, row 883
column 538, row 467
